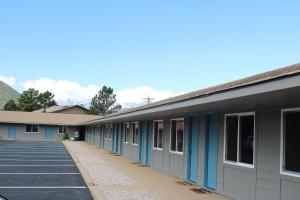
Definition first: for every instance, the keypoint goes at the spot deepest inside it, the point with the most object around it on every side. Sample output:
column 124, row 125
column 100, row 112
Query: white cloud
column 9, row 80
column 131, row 97
column 68, row 92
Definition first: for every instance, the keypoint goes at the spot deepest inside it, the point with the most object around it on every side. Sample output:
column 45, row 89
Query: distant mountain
column 7, row 93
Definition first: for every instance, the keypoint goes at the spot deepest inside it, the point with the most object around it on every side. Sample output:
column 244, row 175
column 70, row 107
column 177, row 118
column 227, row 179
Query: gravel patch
column 88, row 159
column 123, row 195
column 108, row 176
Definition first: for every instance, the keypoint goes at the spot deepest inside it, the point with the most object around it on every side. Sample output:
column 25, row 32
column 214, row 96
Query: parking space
column 39, row 170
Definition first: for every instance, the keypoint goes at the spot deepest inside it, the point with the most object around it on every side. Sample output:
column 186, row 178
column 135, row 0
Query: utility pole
column 148, row 100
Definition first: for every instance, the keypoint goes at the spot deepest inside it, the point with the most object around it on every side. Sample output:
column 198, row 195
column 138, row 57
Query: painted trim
column 237, row 163
column 123, row 139
column 282, row 170
column 254, row 89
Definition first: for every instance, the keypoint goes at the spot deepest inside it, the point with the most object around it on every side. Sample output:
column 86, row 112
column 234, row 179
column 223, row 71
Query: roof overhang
column 206, row 101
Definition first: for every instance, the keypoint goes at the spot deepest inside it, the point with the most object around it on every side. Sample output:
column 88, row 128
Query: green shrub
column 65, row 136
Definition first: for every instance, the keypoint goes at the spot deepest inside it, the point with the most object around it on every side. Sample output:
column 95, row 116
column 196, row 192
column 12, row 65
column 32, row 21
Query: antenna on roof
column 148, row 100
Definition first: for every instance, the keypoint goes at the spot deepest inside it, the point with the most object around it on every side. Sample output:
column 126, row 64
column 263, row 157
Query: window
column 31, row 128
column 62, row 129
column 290, row 138
column 239, row 139
column 106, row 130
column 126, row 132
column 158, row 134
column 110, row 132
column 177, row 130
column 135, row 133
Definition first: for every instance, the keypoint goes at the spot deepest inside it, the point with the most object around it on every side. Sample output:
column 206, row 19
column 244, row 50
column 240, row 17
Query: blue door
column 193, row 149
column 149, row 142
column 141, row 142
column 121, row 138
column 48, row 133
column 211, row 151
column 12, row 131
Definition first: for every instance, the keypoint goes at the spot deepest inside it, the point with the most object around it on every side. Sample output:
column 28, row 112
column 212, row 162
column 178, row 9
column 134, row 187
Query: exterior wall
column 23, row 136
column 263, row 182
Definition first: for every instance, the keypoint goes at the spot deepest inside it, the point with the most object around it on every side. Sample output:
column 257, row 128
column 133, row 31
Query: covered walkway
column 112, row 177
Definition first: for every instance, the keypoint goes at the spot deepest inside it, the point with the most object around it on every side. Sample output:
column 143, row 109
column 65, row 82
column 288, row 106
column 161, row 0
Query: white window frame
column 67, row 128
column 32, row 127
column 111, row 129
column 133, row 132
column 237, row 163
column 282, row 170
column 170, row 149
column 128, row 134
column 156, row 148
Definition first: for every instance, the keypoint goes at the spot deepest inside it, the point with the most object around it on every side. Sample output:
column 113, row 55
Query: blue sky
column 169, row 45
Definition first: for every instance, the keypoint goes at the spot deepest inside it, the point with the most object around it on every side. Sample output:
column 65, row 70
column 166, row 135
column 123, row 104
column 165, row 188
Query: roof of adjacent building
column 44, row 118
column 57, row 108
column 252, row 80
column 81, row 119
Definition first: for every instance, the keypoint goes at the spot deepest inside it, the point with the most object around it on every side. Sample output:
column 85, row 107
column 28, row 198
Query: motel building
column 239, row 139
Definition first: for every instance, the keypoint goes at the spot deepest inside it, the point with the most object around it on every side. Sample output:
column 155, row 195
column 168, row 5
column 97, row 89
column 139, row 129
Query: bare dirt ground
column 111, row 177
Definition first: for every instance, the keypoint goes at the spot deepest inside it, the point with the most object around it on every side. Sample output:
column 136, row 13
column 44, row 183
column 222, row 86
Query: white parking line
column 36, row 165
column 46, row 187
column 37, row 152
column 31, row 156
column 39, row 173
column 33, row 150
column 36, row 160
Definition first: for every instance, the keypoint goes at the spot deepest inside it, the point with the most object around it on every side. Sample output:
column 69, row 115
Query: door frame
column 193, row 129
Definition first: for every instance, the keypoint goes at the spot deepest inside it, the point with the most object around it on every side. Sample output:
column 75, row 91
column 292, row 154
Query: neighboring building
column 239, row 139
column 36, row 126
column 71, row 109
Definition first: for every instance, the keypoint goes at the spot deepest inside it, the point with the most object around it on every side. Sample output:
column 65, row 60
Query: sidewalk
column 111, row 177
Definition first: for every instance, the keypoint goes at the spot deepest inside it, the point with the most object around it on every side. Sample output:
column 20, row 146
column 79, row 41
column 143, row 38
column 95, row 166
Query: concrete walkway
column 111, row 177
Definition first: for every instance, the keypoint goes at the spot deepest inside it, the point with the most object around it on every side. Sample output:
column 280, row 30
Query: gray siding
column 268, row 157
column 263, row 182
column 23, row 136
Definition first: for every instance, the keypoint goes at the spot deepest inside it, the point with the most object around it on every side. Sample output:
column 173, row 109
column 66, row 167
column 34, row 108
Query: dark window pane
column 246, row 139
column 173, row 136
column 133, row 133
column 136, row 134
column 28, row 128
column 128, row 131
column 231, row 138
column 180, row 128
column 35, row 128
column 160, row 134
column 291, row 142
column 155, row 134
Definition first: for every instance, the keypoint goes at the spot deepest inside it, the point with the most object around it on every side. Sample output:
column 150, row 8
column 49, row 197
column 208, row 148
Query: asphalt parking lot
column 39, row 170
